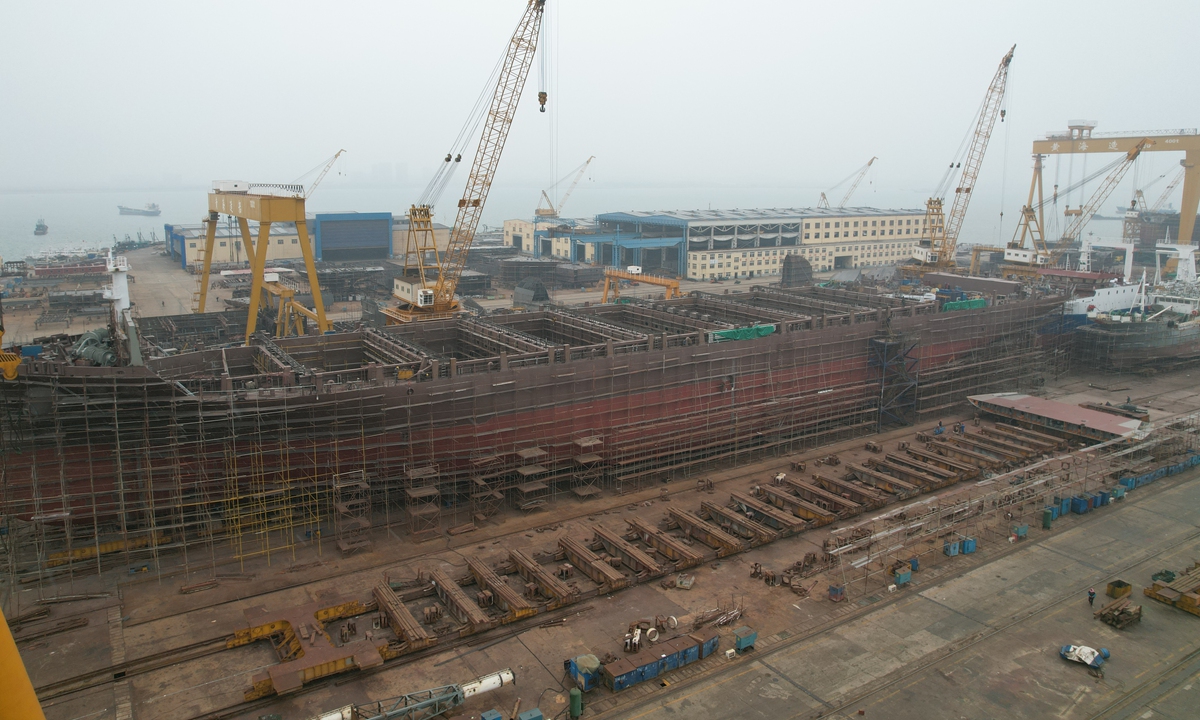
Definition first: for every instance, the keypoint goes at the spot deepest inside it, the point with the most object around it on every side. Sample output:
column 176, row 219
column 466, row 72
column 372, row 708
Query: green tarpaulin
column 965, row 305
column 747, row 333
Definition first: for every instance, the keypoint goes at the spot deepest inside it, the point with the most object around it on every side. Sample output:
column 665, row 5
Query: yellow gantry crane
column 421, row 297
column 936, row 250
column 613, row 278
column 550, row 212
column 1022, row 261
column 241, row 200
column 858, row 175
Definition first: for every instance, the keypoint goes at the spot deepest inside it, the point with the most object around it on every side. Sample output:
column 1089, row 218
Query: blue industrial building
column 712, row 244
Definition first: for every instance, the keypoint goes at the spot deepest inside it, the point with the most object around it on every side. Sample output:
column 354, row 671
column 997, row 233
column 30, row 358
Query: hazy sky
column 685, row 103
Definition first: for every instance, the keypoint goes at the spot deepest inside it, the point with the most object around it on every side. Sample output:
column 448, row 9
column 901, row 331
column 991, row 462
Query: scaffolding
column 244, row 454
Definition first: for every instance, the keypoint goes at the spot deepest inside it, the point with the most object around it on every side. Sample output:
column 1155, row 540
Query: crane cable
column 1008, row 93
column 943, row 186
column 445, row 172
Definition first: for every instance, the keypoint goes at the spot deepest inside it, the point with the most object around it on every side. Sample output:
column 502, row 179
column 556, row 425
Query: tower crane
column 552, row 212
column 858, row 175
column 422, row 298
column 936, row 251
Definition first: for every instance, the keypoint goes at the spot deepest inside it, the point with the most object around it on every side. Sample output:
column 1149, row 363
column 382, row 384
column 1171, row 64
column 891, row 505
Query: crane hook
column 542, row 101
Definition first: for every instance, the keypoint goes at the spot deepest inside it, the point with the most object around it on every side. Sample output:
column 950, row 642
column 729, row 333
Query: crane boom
column 943, row 229
column 1071, row 234
column 325, row 170
column 550, row 211
column 1162, row 199
column 513, row 73
column 575, row 182
column 854, row 186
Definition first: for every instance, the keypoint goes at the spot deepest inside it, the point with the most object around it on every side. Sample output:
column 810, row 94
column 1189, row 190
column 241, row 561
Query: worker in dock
column 1091, row 597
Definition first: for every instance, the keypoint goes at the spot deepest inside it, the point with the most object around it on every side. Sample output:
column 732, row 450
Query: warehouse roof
column 691, row 217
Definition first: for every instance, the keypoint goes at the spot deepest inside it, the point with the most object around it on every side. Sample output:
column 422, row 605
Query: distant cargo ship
column 41, row 228
column 151, row 209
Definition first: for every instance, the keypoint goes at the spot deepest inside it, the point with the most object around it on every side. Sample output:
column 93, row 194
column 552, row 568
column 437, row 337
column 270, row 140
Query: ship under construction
column 229, row 453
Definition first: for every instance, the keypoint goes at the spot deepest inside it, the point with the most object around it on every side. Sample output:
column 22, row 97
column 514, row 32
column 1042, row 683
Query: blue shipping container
column 968, row 546
column 1064, row 507
column 950, row 548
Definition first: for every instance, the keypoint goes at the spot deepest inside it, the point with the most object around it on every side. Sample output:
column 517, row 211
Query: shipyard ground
column 974, row 637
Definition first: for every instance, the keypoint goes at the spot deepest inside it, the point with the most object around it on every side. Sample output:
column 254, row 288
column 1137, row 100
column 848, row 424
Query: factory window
column 890, row 232
column 826, row 224
column 856, row 233
column 835, row 234
column 805, row 236
column 837, row 224
column 826, row 234
column 279, row 241
column 855, row 223
column 295, row 241
column 872, row 233
column 191, row 245
column 893, row 222
column 222, row 243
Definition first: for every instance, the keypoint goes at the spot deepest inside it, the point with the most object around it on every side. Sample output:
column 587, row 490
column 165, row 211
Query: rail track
column 129, row 668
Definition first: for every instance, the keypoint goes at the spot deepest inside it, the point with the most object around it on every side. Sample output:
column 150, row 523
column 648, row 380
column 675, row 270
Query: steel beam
column 967, row 470
column 734, row 522
column 785, row 522
column 864, row 495
column 1032, row 435
column 912, row 475
column 1035, row 446
column 550, row 586
column 800, row 508
column 401, row 620
column 679, row 553
column 707, row 533
column 510, row 600
column 634, row 559
column 844, row 507
column 588, row 562
column 966, row 454
column 883, row 481
column 461, row 607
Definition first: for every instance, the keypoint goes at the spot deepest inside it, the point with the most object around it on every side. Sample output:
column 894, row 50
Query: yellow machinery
column 858, row 175
column 1080, row 138
column 9, row 362
column 1023, row 261
column 937, row 246
column 422, row 298
column 613, row 278
column 550, row 212
column 236, row 199
column 20, row 701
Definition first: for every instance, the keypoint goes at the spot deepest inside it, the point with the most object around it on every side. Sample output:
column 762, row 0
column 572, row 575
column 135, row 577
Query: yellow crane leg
column 20, row 701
